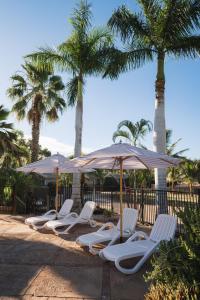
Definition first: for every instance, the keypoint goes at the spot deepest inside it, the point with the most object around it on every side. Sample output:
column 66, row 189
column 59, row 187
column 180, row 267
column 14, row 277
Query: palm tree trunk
column 35, row 130
column 76, row 186
column 159, row 135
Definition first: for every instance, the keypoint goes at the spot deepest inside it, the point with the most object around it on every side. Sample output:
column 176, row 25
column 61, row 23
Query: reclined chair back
column 87, row 210
column 130, row 216
column 66, row 207
column 164, row 228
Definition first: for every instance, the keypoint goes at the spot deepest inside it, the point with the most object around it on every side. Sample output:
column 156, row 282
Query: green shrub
column 176, row 268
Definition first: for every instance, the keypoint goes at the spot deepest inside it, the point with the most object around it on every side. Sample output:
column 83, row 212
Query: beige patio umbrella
column 55, row 163
column 124, row 156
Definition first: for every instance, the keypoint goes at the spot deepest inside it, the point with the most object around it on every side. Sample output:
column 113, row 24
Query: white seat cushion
column 57, row 223
column 136, row 248
column 34, row 220
column 97, row 237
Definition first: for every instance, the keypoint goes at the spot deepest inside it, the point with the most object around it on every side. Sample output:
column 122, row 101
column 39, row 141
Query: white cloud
column 55, row 146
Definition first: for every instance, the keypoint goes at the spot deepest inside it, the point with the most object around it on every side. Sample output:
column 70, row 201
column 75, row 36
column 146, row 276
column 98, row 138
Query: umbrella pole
column 121, row 200
column 56, row 200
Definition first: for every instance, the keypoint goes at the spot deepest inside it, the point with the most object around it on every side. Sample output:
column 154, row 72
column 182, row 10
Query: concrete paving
column 39, row 265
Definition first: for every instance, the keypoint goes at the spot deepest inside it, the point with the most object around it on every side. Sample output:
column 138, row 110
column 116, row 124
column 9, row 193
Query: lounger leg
column 64, row 231
column 137, row 266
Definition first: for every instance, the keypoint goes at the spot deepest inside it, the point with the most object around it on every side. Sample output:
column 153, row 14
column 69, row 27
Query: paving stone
column 67, row 282
column 40, row 265
column 134, row 286
column 74, row 255
column 15, row 279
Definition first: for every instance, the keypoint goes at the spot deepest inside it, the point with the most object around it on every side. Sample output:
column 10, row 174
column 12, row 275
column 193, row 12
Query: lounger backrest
column 87, row 210
column 66, row 207
column 130, row 216
column 164, row 228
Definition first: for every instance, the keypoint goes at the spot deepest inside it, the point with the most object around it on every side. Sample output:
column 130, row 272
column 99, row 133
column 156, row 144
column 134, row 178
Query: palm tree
column 7, row 134
column 135, row 131
column 170, row 146
column 162, row 28
column 189, row 171
column 82, row 55
column 37, row 96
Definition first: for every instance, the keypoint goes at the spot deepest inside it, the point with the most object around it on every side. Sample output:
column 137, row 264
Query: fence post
column 14, row 200
column 112, row 208
column 142, row 206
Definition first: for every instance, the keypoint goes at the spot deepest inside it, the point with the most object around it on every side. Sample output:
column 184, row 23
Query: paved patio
column 35, row 265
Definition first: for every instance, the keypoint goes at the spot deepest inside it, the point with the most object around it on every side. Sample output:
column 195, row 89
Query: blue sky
column 26, row 25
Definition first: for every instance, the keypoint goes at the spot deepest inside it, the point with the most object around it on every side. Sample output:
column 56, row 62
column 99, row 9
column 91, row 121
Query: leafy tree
column 163, row 28
column 23, row 156
column 7, row 135
column 37, row 96
column 134, row 131
column 189, row 172
column 82, row 55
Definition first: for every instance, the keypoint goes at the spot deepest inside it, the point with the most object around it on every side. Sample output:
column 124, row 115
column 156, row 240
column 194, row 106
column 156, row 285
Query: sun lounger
column 109, row 232
column 39, row 221
column 163, row 230
column 64, row 225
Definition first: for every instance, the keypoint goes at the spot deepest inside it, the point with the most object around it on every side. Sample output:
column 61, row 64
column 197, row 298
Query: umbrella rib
column 88, row 162
column 142, row 162
column 165, row 160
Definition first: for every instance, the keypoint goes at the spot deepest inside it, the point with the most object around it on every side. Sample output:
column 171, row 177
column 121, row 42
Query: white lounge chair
column 163, row 229
column 110, row 232
column 72, row 219
column 39, row 221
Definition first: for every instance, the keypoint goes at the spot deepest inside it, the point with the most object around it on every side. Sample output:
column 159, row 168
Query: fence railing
column 149, row 202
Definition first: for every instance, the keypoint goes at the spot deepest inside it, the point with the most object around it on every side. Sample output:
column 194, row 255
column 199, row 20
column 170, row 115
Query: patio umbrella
column 124, row 156
column 56, row 163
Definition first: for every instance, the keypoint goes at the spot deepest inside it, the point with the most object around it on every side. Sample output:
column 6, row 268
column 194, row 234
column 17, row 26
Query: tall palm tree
column 162, row 28
column 134, row 131
column 7, row 134
column 81, row 55
column 37, row 96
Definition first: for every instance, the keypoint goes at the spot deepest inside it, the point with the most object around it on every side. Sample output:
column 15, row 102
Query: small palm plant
column 37, row 96
column 161, row 29
column 134, row 132
column 82, row 55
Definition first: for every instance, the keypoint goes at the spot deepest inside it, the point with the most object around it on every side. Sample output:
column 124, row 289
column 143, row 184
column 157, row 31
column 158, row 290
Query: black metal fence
column 149, row 202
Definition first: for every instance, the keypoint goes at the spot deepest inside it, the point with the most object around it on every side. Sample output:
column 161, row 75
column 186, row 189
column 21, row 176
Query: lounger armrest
column 72, row 214
column 50, row 211
column 104, row 226
column 137, row 234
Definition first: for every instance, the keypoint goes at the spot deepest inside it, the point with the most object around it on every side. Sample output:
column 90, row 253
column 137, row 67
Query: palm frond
column 128, row 24
column 121, row 134
column 72, row 91
column 188, row 46
column 48, row 59
column 81, row 17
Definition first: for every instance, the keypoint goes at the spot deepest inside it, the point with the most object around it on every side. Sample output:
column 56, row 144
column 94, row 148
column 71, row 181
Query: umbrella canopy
column 46, row 165
column 124, row 156
column 56, row 163
column 51, row 164
column 132, row 157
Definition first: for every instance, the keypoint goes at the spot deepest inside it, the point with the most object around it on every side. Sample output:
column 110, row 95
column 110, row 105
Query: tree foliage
column 177, row 266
